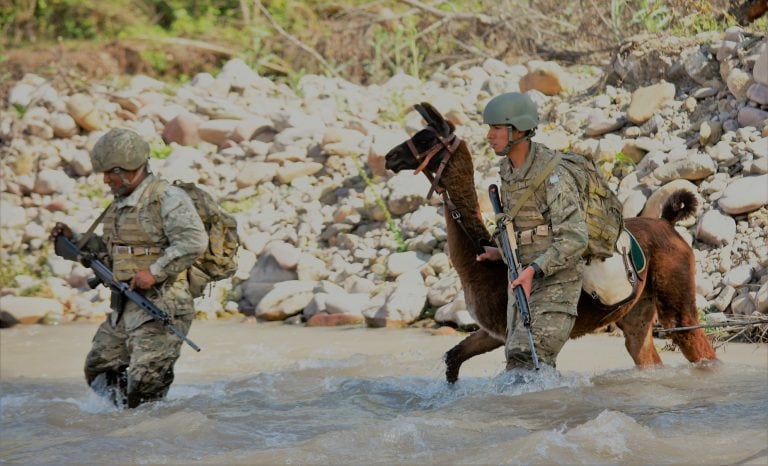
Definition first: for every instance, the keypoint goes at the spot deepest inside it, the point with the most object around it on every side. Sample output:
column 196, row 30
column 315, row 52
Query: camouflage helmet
column 119, row 148
column 512, row 108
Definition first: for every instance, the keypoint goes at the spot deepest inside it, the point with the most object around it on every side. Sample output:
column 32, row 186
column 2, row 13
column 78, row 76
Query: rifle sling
column 536, row 182
column 87, row 235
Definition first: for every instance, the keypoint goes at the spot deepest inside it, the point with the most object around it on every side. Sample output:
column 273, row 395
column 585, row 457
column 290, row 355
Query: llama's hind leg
column 638, row 338
column 478, row 342
column 676, row 302
column 694, row 345
column 675, row 312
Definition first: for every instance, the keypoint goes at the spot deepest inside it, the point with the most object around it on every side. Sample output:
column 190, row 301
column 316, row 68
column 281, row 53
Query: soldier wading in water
column 151, row 235
column 551, row 231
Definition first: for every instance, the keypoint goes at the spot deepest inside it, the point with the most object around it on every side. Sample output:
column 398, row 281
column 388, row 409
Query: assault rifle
column 510, row 255
column 68, row 250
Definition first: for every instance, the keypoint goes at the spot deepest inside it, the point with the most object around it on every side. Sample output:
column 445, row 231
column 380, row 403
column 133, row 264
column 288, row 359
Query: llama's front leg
column 638, row 338
column 478, row 342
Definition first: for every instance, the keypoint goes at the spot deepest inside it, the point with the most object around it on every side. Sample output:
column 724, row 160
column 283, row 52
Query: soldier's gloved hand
column 143, row 280
column 60, row 229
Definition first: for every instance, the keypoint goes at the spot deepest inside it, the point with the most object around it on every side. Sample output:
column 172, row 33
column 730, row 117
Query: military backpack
column 602, row 208
column 219, row 260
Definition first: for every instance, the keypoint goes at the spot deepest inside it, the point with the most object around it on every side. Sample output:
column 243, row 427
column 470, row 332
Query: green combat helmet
column 512, row 108
column 119, row 148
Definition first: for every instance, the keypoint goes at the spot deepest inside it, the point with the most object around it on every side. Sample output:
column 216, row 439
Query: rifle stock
column 68, row 250
column 510, row 255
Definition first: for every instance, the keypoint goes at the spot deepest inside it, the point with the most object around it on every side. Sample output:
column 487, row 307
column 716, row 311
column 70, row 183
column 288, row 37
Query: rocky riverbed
column 329, row 237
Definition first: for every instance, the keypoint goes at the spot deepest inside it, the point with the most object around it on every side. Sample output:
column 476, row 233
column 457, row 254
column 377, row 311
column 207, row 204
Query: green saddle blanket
column 636, row 253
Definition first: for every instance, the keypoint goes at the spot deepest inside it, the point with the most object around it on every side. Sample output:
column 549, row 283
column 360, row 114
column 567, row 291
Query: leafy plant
column 92, row 191
column 696, row 23
column 396, row 51
column 396, row 233
column 40, row 290
column 156, row 59
column 21, row 110
column 160, row 152
column 8, row 273
column 653, row 15
column 234, row 207
column 427, row 313
column 13, row 266
column 623, row 164
column 702, row 314
column 396, row 110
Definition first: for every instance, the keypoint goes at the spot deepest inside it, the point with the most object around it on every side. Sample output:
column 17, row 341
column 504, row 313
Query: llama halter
column 448, row 144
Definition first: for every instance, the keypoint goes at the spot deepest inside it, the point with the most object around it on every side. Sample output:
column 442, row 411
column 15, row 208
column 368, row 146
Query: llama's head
column 427, row 148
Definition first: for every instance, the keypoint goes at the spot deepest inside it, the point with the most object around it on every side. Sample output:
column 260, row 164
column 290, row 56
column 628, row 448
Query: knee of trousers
column 150, row 383
column 98, row 363
column 550, row 332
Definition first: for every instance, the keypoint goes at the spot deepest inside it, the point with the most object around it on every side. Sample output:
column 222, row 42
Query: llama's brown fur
column 667, row 288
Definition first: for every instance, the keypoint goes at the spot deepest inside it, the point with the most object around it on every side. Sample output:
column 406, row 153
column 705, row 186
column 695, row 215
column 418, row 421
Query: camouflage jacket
column 179, row 226
column 551, row 225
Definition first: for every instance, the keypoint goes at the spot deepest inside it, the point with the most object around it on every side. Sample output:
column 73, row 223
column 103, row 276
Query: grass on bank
column 361, row 40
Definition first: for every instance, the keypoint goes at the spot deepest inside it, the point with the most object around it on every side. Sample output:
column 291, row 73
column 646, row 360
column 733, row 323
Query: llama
column 666, row 289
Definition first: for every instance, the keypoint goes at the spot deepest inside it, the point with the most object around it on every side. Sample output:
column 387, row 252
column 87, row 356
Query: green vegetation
column 14, row 266
column 396, row 51
column 702, row 314
column 41, row 290
column 364, row 41
column 396, row 233
column 8, row 271
column 161, row 152
column 243, row 205
column 92, row 191
column 652, row 15
column 427, row 313
column 678, row 17
column 397, row 110
column 20, row 110
column 623, row 165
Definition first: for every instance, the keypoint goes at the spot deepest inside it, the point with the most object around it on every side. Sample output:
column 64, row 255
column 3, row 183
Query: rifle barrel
column 68, row 250
column 512, row 264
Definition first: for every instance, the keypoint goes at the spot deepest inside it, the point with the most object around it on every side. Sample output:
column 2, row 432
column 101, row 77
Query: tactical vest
column 534, row 235
column 134, row 245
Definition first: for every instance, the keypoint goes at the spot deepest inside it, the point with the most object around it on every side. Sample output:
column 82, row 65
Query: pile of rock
column 329, row 237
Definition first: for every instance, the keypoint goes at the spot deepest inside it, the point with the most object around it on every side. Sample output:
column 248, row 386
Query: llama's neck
column 463, row 245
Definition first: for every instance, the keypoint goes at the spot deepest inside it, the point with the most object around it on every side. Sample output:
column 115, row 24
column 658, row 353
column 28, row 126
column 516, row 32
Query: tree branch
column 197, row 44
column 293, row 39
column 485, row 19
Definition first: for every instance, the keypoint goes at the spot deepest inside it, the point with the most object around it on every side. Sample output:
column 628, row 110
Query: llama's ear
column 424, row 112
column 437, row 120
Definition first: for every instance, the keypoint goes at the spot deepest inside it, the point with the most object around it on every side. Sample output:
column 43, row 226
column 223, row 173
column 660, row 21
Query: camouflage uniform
column 131, row 350
column 551, row 232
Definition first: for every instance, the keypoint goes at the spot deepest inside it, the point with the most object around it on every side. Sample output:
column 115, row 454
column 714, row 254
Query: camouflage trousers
column 132, row 356
column 553, row 313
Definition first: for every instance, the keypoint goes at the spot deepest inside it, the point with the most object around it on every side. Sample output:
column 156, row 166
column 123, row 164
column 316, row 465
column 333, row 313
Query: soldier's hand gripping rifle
column 68, row 250
column 509, row 249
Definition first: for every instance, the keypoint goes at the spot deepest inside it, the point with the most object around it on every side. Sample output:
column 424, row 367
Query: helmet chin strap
column 128, row 186
column 511, row 142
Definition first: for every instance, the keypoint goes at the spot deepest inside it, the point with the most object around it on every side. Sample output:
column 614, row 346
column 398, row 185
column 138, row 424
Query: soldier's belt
column 137, row 250
column 526, row 236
